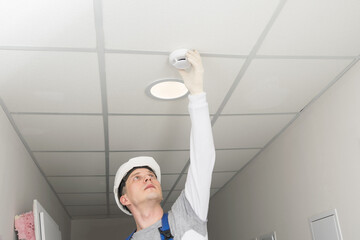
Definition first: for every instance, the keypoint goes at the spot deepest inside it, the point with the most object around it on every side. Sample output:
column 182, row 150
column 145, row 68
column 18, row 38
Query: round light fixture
column 167, row 89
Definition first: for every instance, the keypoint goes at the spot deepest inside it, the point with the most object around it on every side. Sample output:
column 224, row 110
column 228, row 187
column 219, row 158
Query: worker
column 137, row 187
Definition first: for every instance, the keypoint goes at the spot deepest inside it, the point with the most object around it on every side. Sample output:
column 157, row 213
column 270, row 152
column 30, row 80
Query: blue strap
column 164, row 229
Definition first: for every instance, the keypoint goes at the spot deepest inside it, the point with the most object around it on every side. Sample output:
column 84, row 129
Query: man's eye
column 136, row 178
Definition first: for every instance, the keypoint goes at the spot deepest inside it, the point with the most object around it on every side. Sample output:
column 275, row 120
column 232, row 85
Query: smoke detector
column 178, row 59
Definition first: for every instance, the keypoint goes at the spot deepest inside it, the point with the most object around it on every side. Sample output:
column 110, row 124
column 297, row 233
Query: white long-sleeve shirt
column 188, row 215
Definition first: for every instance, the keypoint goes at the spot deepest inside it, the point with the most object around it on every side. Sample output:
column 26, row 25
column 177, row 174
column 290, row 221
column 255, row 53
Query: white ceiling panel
column 111, row 184
column 322, row 27
column 59, row 132
column 71, row 163
column 233, row 160
column 213, row 191
column 115, row 210
column 86, row 210
column 252, row 131
column 167, row 207
column 111, row 195
column 149, row 132
column 169, row 161
column 282, row 85
column 219, row 179
column 174, row 195
column 167, row 181
column 57, row 82
column 78, row 184
column 45, row 23
column 73, row 84
column 83, row 198
column 165, row 194
column 128, row 76
column 181, row 184
column 93, row 216
column 163, row 25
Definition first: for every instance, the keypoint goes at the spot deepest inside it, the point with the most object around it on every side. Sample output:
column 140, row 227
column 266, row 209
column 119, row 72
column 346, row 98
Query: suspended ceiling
column 74, row 73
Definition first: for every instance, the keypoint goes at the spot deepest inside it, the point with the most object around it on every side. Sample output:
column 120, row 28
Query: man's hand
column 193, row 79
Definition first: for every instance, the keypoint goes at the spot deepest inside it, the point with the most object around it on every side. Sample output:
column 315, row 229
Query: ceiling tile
column 169, row 161
column 167, row 181
column 59, row 132
column 78, row 184
column 250, row 131
column 322, row 27
column 213, row 191
column 149, row 132
column 165, row 194
column 181, row 184
column 111, row 184
column 233, row 160
column 174, row 195
column 168, row 25
column 126, row 85
column 112, row 196
column 55, row 82
column 92, row 216
column 83, row 199
column 71, row 163
column 86, row 210
column 167, row 207
column 282, row 85
column 44, row 23
column 115, row 210
column 219, row 179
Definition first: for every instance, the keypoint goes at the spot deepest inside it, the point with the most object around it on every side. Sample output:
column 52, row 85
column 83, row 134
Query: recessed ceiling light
column 167, row 89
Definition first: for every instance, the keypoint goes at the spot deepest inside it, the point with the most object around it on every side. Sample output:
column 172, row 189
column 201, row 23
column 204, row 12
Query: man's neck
column 146, row 216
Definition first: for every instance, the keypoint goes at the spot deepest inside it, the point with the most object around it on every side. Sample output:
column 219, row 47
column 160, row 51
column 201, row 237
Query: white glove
column 193, row 78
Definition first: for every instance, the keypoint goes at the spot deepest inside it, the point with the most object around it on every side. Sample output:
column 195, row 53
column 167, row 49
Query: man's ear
column 124, row 200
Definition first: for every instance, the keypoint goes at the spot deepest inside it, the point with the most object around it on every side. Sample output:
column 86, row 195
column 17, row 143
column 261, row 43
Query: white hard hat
column 126, row 167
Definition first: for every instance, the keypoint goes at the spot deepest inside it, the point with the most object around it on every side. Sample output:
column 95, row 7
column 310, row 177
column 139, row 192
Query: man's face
column 141, row 186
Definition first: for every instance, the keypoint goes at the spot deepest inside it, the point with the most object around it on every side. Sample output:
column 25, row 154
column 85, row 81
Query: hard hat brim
column 126, row 167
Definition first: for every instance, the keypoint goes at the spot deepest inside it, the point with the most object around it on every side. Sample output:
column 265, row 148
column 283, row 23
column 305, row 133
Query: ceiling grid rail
column 236, row 81
column 22, row 139
column 101, row 51
column 248, row 61
column 47, row 49
column 337, row 78
column 100, row 46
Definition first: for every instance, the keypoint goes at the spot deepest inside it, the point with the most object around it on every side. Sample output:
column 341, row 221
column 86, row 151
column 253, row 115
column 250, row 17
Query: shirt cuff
column 197, row 100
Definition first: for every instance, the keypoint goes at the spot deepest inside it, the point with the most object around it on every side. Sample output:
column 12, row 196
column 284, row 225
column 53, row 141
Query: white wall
column 104, row 229
column 311, row 167
column 21, row 182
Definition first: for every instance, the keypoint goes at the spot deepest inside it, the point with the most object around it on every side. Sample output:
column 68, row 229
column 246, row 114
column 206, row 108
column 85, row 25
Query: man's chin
column 154, row 196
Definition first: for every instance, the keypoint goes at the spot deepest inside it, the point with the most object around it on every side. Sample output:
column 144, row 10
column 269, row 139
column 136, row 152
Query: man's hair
column 125, row 178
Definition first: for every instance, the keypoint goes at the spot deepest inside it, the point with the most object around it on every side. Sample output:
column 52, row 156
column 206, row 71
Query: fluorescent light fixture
column 167, row 89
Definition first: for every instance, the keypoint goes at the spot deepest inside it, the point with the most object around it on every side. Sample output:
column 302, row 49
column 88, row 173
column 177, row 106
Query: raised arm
column 202, row 150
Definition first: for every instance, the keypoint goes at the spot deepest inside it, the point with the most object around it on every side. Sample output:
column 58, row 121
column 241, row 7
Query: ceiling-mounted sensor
column 178, row 59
